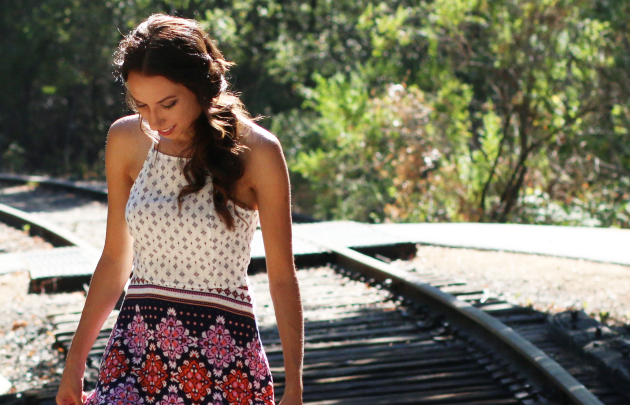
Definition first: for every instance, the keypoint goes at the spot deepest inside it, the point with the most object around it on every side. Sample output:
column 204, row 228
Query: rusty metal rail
column 531, row 361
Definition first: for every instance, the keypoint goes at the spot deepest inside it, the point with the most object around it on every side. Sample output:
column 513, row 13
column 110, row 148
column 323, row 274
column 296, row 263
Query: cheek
column 193, row 112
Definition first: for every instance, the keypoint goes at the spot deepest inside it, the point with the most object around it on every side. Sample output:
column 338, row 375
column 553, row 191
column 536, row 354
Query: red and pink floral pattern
column 219, row 346
column 116, row 366
column 265, row 395
column 236, row 386
column 194, row 378
column 125, row 394
column 151, row 374
column 172, row 398
column 182, row 355
column 137, row 336
column 256, row 360
column 173, row 338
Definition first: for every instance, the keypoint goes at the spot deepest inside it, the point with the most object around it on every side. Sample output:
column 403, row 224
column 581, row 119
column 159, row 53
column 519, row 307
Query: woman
column 188, row 177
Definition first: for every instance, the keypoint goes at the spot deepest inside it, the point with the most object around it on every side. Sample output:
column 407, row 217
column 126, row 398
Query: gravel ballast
column 14, row 240
column 27, row 358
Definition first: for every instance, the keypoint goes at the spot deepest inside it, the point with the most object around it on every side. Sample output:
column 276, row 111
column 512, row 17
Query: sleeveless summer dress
column 187, row 331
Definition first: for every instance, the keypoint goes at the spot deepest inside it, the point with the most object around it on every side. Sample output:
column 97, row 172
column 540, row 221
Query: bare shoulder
column 265, row 165
column 127, row 144
column 254, row 136
column 263, row 145
column 127, row 131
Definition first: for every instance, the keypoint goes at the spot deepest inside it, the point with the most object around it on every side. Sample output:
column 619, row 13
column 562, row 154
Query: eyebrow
column 161, row 101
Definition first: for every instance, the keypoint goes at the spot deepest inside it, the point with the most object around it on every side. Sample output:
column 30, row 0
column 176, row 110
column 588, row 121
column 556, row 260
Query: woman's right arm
column 113, row 269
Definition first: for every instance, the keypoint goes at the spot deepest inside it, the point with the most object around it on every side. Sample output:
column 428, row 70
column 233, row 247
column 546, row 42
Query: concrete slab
column 10, row 262
column 346, row 234
column 62, row 262
column 300, row 246
column 598, row 244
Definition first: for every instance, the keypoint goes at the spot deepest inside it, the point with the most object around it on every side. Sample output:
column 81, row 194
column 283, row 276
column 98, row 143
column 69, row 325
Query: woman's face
column 168, row 107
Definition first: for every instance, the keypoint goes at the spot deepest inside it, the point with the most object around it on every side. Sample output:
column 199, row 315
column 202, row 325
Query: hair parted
column 180, row 50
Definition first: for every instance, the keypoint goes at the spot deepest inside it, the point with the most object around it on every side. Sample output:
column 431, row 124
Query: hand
column 71, row 389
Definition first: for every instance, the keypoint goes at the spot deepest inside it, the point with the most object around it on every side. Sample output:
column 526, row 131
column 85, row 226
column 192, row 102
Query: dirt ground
column 547, row 283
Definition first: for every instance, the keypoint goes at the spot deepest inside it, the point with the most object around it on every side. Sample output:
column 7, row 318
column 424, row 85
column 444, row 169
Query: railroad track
column 381, row 334
column 366, row 343
column 363, row 345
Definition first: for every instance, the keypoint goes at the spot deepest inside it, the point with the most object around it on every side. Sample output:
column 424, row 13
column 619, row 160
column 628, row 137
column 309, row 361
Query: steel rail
column 96, row 193
column 533, row 362
column 54, row 234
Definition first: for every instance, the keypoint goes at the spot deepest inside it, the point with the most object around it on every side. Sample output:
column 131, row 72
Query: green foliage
column 519, row 93
column 343, row 169
column 444, row 110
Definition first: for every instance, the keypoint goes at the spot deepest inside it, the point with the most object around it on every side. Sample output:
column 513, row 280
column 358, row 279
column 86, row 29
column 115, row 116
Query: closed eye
column 168, row 107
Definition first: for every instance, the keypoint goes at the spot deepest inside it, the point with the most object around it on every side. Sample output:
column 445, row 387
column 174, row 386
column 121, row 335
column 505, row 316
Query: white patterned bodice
column 194, row 250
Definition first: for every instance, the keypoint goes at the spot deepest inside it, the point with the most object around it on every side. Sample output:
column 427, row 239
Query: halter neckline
column 154, row 147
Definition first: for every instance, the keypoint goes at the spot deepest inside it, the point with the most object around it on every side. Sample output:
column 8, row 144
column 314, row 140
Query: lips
column 167, row 131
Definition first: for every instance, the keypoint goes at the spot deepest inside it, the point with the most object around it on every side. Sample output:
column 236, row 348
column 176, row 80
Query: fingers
column 68, row 400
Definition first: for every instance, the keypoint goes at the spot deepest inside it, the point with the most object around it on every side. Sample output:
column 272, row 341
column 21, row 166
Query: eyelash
column 168, row 107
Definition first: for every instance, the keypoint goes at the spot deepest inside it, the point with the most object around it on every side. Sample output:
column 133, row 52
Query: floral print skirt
column 178, row 352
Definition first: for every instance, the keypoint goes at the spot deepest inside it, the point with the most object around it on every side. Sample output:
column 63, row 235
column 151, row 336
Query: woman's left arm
column 270, row 181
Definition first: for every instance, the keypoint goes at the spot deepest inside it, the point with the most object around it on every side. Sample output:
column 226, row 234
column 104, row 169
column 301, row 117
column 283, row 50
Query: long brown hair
column 180, row 50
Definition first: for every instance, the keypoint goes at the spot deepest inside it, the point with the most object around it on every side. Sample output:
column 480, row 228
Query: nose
column 154, row 118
